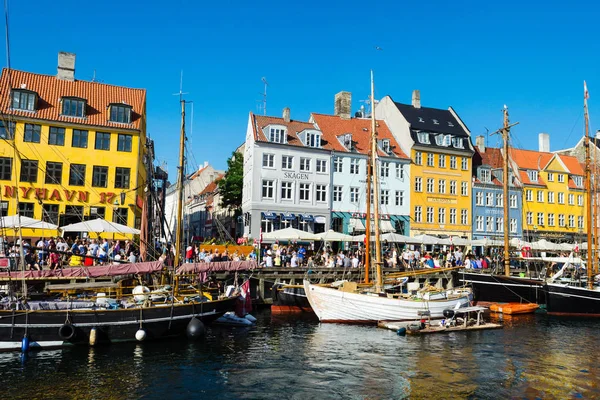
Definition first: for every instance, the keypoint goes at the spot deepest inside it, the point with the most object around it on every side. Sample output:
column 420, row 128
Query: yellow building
column 70, row 150
column 553, row 195
column 441, row 151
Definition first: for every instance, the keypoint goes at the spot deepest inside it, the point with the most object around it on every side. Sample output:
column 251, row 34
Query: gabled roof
column 50, row 91
column 424, row 118
column 333, row 127
column 491, row 156
column 293, row 128
column 212, row 187
column 530, row 159
column 572, row 164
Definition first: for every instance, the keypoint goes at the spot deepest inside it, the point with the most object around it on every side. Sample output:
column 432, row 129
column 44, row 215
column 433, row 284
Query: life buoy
column 66, row 332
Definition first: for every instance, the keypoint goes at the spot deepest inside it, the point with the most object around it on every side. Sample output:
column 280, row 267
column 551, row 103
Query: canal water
column 534, row 356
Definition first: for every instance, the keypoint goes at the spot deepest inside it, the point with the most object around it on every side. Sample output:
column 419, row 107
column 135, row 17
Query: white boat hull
column 332, row 305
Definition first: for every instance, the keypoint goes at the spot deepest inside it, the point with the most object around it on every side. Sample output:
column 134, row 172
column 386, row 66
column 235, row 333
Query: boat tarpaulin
column 203, row 269
column 90, row 272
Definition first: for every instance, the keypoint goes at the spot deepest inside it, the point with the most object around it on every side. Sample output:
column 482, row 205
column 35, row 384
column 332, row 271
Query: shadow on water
column 295, row 357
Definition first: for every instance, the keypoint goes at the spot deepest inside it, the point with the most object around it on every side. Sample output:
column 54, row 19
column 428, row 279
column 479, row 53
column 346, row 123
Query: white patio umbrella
column 487, row 242
column 459, row 241
column 12, row 222
column 289, row 234
column 396, row 238
column 426, row 239
column 333, row 236
column 100, row 225
column 544, row 244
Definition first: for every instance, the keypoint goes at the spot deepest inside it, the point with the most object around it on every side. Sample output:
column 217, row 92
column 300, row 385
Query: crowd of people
column 195, row 253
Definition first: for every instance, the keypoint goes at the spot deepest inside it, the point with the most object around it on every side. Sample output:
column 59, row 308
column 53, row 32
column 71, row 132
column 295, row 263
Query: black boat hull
column 572, row 301
column 504, row 289
column 46, row 328
column 290, row 299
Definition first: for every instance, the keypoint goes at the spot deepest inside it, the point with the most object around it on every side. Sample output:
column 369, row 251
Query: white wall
column 400, row 128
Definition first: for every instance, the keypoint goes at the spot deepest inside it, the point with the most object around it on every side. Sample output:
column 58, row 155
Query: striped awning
column 357, row 224
column 287, row 216
column 269, row 215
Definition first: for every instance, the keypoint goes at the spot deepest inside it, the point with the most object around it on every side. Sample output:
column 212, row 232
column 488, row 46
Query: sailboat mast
column 179, row 223
column 505, row 178
column 378, row 284
column 368, row 219
column 588, row 181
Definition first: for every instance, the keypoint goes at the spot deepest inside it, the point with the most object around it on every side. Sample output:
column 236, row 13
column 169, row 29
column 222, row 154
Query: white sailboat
column 346, row 304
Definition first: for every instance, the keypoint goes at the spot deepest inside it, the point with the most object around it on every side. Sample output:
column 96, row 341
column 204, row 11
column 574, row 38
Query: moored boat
column 289, row 299
column 514, row 308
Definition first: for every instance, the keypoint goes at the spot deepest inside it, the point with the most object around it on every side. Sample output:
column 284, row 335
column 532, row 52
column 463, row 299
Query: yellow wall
column 439, row 200
column 64, row 194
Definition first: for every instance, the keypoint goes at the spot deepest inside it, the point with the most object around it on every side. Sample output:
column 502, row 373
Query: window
column 321, row 192
column 453, row 216
column 550, row 177
column 418, row 184
column 561, row 220
column 286, row 162
column 499, row 200
column 26, row 209
column 430, row 158
column 77, row 175
column 580, row 200
column 124, row 142
column 385, row 145
column 354, row 162
column 399, row 171
column 50, row 213
column 423, row 137
column 529, row 218
column 430, row 182
column 322, row 166
column 337, row 193
column 24, row 100
column 100, row 176
column 513, row 201
column 442, row 186
column 458, row 143
column 540, row 196
column 479, row 198
column 580, row 222
column 578, row 181
column 353, row 195
column 277, row 135
column 122, row 178
column 529, row 195
column 464, row 188
column 540, row 219
column 464, row 217
column 80, row 138
column 286, row 190
column 120, row 215
column 550, row 219
column 533, row 175
column 337, row 164
column 499, row 224
column 305, row 164
column 418, row 158
column 489, row 199
column 267, row 189
column 399, row 198
column 550, row 197
column 56, row 136
column 430, row 215
column 571, row 199
column 313, row 139
column 485, row 175
column 513, row 225
column 571, row 221
column 418, row 214
column 268, row 160
column 561, row 178
column 7, row 129
column 452, row 162
column 489, row 224
column 73, row 107
column 305, row 191
column 464, row 164
column 479, row 223
column 32, row 133
column 29, row 171
column 561, row 198
column 442, row 161
column 385, row 197
column 102, row 141
column 3, row 208
column 441, row 216
column 5, row 168
column 120, row 113
column 385, row 169
column 453, row 187
column 54, row 172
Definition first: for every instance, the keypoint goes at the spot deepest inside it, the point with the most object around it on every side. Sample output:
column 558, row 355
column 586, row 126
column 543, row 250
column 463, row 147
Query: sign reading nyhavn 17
column 29, row 192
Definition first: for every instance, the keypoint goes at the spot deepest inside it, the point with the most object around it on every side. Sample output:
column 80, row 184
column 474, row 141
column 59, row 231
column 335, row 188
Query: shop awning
column 269, row 215
column 320, row 219
column 357, row 224
column 386, row 226
column 287, row 216
column 307, row 218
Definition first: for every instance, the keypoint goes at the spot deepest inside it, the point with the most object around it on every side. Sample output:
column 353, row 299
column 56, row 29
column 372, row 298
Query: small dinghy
column 231, row 319
column 513, row 308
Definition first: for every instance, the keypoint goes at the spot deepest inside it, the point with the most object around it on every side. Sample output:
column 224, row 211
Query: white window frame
column 571, row 199
column 479, row 198
column 354, row 195
column 429, row 215
column 430, row 185
column 550, row 219
column 384, row 169
column 453, row 187
column 268, row 160
column 513, row 225
column 287, row 162
column 529, row 218
column 550, row 177
column 337, row 193
column 489, row 224
column 540, row 196
column 321, row 166
column 453, row 216
column 551, row 197
column 304, row 164
column 418, row 214
column 338, row 165
column 418, row 158
column 529, row 195
column 287, row 187
column 321, row 193
column 354, row 166
column 561, row 220
column 452, row 162
column 441, row 216
column 499, row 224
column 442, row 161
column 489, row 199
column 418, row 184
column 464, row 164
column 304, row 190
column 541, row 219
column 499, row 199
column 513, row 201
column 561, row 198
column 430, row 159
column 399, row 201
column 442, row 186
column 313, row 139
column 580, row 222
column 561, row 178
column 571, row 221
column 277, row 135
column 580, row 200
column 385, row 197
column 479, row 223
column 269, row 186
column 464, row 217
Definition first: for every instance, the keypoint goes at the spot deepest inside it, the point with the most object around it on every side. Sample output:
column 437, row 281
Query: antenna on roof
column 264, row 95
column 94, row 76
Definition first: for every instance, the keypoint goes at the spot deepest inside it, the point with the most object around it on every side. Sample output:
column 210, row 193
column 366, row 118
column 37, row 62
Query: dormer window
column 73, row 107
column 485, row 175
column 447, row 140
column 313, row 139
column 277, row 135
column 385, row 145
column 458, row 143
column 421, row 119
column 423, row 137
column 443, row 140
column 533, row 176
column 346, row 141
column 436, row 122
column 578, row 181
column 23, row 100
column 120, row 113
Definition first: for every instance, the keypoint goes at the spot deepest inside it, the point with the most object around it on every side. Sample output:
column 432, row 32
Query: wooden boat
column 514, row 308
column 289, row 299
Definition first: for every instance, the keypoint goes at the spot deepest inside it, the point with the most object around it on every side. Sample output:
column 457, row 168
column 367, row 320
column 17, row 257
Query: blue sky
column 473, row 56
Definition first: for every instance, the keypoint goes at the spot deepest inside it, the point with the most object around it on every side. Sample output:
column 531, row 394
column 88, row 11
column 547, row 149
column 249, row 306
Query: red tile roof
column 333, row 127
column 530, row 159
column 212, row 187
column 293, row 128
column 50, row 91
column 572, row 164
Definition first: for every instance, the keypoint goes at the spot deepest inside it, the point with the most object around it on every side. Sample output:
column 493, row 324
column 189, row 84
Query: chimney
column 416, row 100
column 66, row 66
column 480, row 143
column 342, row 106
column 286, row 114
column 544, row 142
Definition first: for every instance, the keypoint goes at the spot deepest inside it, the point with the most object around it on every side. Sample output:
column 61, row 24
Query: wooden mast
column 506, row 184
column 378, row 284
column 588, row 181
column 368, row 219
column 181, row 172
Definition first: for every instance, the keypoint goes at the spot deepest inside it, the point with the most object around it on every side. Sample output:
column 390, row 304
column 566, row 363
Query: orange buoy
column 513, row 308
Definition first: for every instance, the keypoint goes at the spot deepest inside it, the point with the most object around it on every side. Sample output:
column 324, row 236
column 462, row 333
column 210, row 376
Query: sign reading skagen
column 296, row 175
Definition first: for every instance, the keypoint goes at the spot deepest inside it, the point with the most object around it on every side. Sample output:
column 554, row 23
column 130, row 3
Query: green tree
column 230, row 187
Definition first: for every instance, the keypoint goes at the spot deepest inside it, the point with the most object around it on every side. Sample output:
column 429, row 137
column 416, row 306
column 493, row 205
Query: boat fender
column 250, row 318
column 448, row 313
column 93, row 336
column 401, row 332
column 140, row 335
column 195, row 329
column 67, row 331
column 414, row 327
column 25, row 344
